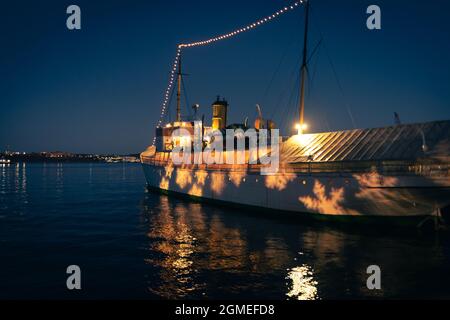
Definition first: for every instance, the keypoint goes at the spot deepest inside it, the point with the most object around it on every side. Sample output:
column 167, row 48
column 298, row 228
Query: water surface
column 131, row 243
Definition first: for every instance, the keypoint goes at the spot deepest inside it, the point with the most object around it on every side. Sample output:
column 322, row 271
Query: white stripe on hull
column 329, row 194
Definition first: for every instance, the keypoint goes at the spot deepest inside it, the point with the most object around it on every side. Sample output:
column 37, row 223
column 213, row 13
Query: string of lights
column 210, row 41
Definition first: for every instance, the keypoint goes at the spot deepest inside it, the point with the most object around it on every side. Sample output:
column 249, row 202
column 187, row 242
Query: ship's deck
column 422, row 168
column 407, row 142
column 415, row 149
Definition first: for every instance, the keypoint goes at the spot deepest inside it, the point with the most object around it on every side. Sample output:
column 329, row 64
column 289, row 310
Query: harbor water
column 133, row 244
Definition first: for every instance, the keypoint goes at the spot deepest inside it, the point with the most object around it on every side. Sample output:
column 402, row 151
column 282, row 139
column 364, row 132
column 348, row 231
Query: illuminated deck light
column 301, row 128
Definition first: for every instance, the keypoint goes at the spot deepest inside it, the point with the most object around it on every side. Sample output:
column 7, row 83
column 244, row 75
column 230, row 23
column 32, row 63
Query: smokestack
column 219, row 118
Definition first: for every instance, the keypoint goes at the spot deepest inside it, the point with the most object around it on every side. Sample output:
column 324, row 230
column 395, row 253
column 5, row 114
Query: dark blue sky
column 100, row 89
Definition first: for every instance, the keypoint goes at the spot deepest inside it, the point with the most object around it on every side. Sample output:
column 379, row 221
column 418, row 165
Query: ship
column 396, row 173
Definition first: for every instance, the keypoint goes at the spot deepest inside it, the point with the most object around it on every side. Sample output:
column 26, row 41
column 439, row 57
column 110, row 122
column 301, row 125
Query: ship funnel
column 219, row 118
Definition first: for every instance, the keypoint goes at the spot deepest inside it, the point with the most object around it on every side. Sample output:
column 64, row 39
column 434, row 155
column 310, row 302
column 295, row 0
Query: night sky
column 99, row 89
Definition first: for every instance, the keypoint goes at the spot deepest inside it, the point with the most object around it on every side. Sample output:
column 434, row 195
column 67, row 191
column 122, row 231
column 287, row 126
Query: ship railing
column 394, row 167
column 379, row 167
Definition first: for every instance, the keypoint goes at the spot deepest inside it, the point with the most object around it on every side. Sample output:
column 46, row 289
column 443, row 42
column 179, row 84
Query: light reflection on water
column 186, row 243
column 207, row 251
column 136, row 244
column 303, row 286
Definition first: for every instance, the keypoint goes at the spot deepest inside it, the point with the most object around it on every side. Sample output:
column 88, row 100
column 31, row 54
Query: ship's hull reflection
column 200, row 251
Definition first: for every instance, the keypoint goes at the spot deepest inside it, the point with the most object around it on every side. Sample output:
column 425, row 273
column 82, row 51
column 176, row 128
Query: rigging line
column 186, row 97
column 313, row 76
column 275, row 73
column 273, row 112
column 291, row 111
column 212, row 40
column 314, row 51
column 322, row 114
column 307, row 73
column 284, row 91
column 309, row 88
column 294, row 100
column 349, row 111
column 284, row 105
column 327, row 123
column 172, row 93
column 283, row 58
column 292, row 78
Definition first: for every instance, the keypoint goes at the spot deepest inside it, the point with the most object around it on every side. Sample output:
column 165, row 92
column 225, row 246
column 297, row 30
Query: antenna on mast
column 301, row 126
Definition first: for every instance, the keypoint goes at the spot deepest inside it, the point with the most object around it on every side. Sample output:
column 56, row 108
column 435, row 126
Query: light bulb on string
column 215, row 39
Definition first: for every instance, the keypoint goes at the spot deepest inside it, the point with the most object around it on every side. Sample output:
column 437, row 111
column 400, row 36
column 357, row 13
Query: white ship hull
column 324, row 194
column 380, row 172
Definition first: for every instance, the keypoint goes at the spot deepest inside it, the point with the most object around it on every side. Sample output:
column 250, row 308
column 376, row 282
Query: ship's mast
column 179, row 91
column 304, row 70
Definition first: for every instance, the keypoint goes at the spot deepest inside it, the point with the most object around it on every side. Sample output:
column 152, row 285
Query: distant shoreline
column 65, row 161
column 59, row 157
